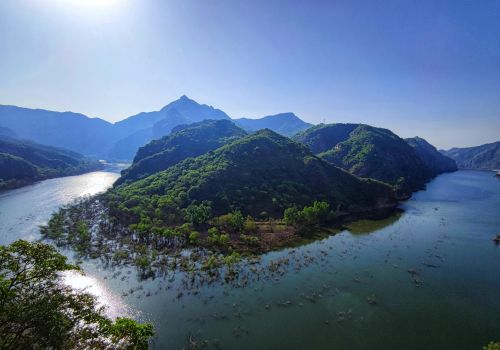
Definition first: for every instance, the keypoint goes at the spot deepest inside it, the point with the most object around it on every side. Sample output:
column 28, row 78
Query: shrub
column 310, row 217
column 194, row 237
column 251, row 240
column 198, row 214
column 217, row 238
column 250, row 225
column 232, row 222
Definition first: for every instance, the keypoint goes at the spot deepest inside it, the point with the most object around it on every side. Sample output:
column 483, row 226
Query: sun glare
column 92, row 6
column 93, row 3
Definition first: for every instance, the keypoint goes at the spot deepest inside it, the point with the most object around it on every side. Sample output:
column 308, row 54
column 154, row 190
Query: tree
column 291, row 216
column 237, row 221
column 39, row 312
column 232, row 222
column 198, row 214
column 309, row 218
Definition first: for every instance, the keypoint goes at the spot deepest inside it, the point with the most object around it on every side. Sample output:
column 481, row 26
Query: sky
column 426, row 68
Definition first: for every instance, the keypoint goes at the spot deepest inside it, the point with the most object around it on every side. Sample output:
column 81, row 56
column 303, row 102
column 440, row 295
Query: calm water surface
column 428, row 279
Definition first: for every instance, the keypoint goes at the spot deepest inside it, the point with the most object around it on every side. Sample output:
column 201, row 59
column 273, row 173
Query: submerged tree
column 38, row 312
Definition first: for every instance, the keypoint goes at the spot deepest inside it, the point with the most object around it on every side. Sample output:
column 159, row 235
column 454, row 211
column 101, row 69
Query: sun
column 93, row 3
column 88, row 4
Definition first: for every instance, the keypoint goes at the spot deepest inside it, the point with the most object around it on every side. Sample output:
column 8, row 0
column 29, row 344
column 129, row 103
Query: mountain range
column 377, row 153
column 286, row 124
column 260, row 174
column 120, row 141
column 185, row 141
column 485, row 157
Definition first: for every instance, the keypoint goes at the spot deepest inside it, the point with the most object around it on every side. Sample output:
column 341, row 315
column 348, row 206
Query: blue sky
column 427, row 68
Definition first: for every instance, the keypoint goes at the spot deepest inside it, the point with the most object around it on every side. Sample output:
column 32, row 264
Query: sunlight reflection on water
column 23, row 209
column 115, row 307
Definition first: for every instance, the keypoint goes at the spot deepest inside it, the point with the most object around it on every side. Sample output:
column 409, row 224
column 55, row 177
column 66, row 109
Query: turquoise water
column 427, row 279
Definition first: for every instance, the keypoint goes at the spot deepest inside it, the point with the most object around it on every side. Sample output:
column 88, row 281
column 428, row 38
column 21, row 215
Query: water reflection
column 115, row 307
column 371, row 226
column 22, row 210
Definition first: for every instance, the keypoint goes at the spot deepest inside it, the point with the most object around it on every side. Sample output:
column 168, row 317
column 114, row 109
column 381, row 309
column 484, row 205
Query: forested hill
column 185, row 141
column 367, row 151
column 23, row 162
column 261, row 174
column 486, row 157
column 432, row 158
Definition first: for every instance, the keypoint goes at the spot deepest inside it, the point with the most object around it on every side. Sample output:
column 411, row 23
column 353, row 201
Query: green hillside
column 261, row 175
column 435, row 161
column 485, row 157
column 185, row 141
column 367, row 151
column 23, row 162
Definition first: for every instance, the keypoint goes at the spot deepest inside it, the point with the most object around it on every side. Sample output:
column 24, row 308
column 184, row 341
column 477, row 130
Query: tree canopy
column 37, row 311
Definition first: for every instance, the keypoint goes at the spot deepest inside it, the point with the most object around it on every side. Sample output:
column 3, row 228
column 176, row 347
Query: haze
column 427, row 68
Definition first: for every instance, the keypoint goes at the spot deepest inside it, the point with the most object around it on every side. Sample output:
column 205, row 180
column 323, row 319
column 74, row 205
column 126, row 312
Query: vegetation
column 260, row 175
column 23, row 162
column 367, row 151
column 310, row 218
column 430, row 156
column 187, row 141
column 485, row 157
column 38, row 312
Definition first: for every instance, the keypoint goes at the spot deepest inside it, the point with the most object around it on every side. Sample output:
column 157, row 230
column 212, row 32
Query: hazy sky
column 427, row 68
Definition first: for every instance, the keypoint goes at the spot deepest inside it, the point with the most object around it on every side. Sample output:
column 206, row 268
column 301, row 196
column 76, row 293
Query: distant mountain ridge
column 484, row 157
column 286, row 124
column 120, row 141
column 147, row 126
column 69, row 130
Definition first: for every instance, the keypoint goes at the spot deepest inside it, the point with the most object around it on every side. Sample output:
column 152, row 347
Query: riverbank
column 12, row 184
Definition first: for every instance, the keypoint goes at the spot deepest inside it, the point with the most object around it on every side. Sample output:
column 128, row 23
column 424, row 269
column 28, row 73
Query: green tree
column 291, row 216
column 198, row 214
column 232, row 222
column 309, row 218
column 237, row 221
column 194, row 236
column 38, row 312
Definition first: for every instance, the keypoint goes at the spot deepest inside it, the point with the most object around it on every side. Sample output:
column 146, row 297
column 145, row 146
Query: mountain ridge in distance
column 286, row 124
column 482, row 157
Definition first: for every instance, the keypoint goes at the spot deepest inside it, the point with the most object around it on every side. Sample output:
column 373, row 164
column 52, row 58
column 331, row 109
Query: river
column 426, row 279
